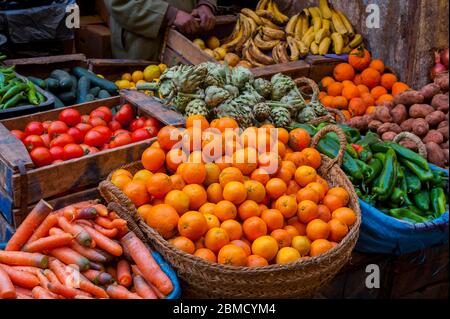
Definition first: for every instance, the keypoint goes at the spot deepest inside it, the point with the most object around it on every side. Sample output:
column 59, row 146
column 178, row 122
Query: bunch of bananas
column 266, row 36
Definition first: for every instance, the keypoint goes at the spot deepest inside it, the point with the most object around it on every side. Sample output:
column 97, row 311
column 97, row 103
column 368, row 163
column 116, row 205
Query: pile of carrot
column 82, row 251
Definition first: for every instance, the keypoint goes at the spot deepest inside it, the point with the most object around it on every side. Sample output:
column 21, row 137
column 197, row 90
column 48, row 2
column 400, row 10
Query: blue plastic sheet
column 383, row 234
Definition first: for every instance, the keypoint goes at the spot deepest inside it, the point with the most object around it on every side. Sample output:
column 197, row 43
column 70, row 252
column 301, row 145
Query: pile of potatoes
column 423, row 113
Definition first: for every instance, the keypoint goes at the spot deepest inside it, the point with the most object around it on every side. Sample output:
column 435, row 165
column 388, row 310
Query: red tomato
column 84, row 128
column 18, row 134
column 41, row 156
column 107, row 111
column 33, row 141
column 88, row 149
column 62, row 140
column 140, row 135
column 57, row 152
column 125, row 115
column 97, row 121
column 105, row 147
column 56, row 128
column 94, row 138
column 97, row 113
column 137, row 124
column 46, row 140
column 105, row 131
column 151, row 121
column 119, row 131
column 70, row 116
column 114, row 125
column 72, row 151
column 34, row 128
column 46, row 124
column 121, row 140
column 152, row 130
column 85, row 118
column 76, row 134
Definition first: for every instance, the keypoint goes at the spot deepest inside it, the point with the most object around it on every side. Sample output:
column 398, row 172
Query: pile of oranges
column 275, row 209
column 360, row 85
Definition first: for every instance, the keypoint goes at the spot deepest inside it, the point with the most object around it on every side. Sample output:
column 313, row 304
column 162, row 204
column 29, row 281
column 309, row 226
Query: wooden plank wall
column 410, row 31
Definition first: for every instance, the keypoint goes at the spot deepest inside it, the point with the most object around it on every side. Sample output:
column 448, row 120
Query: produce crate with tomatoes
column 50, row 154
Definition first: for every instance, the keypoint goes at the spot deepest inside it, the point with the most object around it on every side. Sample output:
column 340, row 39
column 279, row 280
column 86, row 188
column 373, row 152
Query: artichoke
column 234, row 91
column 281, row 116
column 294, row 100
column 261, row 111
column 215, row 96
column 263, row 87
column 196, row 107
column 216, row 75
column 282, row 84
column 306, row 115
column 166, row 87
column 240, row 76
column 241, row 113
column 188, row 79
column 181, row 101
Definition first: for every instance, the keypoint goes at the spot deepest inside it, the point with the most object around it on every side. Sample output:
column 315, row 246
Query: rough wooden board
column 6, row 230
column 113, row 69
column 12, row 151
column 191, row 52
column 172, row 58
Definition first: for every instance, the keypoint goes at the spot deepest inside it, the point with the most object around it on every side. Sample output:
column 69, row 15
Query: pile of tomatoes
column 74, row 135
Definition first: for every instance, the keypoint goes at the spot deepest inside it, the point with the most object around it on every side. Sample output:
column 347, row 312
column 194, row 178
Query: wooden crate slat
column 47, row 59
column 12, row 151
column 295, row 69
column 6, row 204
column 191, row 52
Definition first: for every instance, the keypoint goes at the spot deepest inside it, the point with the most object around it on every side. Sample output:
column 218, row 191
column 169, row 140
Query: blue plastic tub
column 383, row 234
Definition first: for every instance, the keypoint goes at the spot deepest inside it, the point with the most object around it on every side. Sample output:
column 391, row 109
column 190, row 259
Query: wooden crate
column 112, row 69
column 24, row 185
column 321, row 66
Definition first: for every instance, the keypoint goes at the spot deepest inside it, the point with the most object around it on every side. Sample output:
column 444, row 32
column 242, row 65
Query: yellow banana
column 346, row 22
column 234, row 33
column 325, row 9
column 279, row 16
column 315, row 12
column 347, row 50
column 309, row 31
column 338, row 24
column 326, row 24
column 304, row 50
column 246, row 34
column 307, row 12
column 321, row 34
column 282, row 52
column 275, row 56
column 231, row 45
column 273, row 33
column 299, row 31
column 291, row 25
column 357, row 40
column 268, row 23
column 262, row 4
column 338, row 42
column 252, row 15
column 317, row 23
column 252, row 25
column 308, row 39
column 314, row 48
column 247, row 56
column 264, row 45
column 258, row 55
column 295, row 53
column 346, row 39
column 324, row 46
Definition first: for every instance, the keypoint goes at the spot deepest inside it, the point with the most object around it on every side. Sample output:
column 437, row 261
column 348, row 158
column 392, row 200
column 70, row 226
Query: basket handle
column 342, row 142
column 339, row 114
column 412, row 137
column 313, row 85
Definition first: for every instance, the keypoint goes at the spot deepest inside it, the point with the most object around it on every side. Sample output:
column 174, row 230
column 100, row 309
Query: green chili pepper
column 422, row 200
column 380, row 156
column 32, row 97
column 14, row 100
column 352, row 134
column 407, row 215
column 384, row 184
column 439, row 179
column 365, row 155
column 413, row 182
column 402, row 153
column 438, row 201
column 397, row 196
column 365, row 169
column 400, row 171
column 350, row 150
column 41, row 97
column 6, row 88
column 423, row 175
column 12, row 92
column 376, row 167
column 404, row 188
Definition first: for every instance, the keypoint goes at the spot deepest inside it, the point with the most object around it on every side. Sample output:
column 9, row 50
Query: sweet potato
column 436, row 155
column 444, row 145
column 444, row 131
column 389, row 127
column 406, row 126
column 442, row 81
column 440, row 102
column 374, row 125
column 430, row 90
column 420, row 110
column 420, row 127
column 399, row 114
column 359, row 122
column 434, row 136
column 435, row 118
column 388, row 136
column 443, row 124
column 409, row 97
column 383, row 114
column 409, row 144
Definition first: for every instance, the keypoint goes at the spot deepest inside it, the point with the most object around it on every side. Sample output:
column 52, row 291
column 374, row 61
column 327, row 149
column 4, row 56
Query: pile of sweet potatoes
column 423, row 113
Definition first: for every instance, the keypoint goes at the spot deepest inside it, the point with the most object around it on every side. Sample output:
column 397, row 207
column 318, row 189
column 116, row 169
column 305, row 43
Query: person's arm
column 205, row 12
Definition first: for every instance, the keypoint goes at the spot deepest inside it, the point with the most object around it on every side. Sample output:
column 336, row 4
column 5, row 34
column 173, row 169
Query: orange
column 269, row 161
column 225, row 210
column 232, row 255
column 335, row 89
column 333, row 202
column 319, row 247
column 206, row 254
column 357, row 79
column 245, row 160
column 357, row 107
column 338, row 230
column 255, row 190
column 276, row 188
column 399, row 87
column 144, row 210
column 346, row 114
column 212, row 221
column 283, row 135
column 168, row 136
column 194, row 173
column 300, row 227
column 340, row 192
column 248, row 209
column 318, row 188
column 312, row 157
column 326, row 81
column 224, row 123
column 254, row 261
column 260, row 175
column 368, row 99
column 370, row 110
column 200, row 243
column 292, row 188
column 142, row 175
column 350, row 92
column 305, row 175
column 287, row 255
column 192, row 225
column 230, row 174
column 359, row 58
column 174, row 158
column 137, row 193
column 388, row 80
column 339, row 102
column 155, row 145
column 362, row 89
column 235, row 192
column 214, row 193
column 347, row 83
column 322, row 94
column 370, row 78
column 297, row 158
column 121, row 181
column 282, row 236
column 287, row 206
column 345, row 215
column 164, row 219
column 273, row 219
column 216, row 238
column 307, row 211
column 307, row 194
column 207, row 208
column 197, row 195
column 178, row 200
column 377, row 65
column 378, row 91
column 324, row 213
column 299, row 139
column 197, row 120
column 254, row 227
column 159, row 185
column 266, row 247
column 121, row 171
column 385, row 98
column 177, row 182
column 327, row 101
column 184, row 244
column 317, row 229
column 343, row 71
column 302, row 244
column 233, row 229
column 153, row 159
column 244, row 245
column 212, row 174
column 284, row 174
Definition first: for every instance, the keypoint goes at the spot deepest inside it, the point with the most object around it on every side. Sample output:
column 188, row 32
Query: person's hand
column 186, row 23
column 207, row 18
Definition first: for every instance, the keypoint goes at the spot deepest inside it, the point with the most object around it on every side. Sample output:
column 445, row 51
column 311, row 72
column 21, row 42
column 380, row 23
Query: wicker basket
column 202, row 279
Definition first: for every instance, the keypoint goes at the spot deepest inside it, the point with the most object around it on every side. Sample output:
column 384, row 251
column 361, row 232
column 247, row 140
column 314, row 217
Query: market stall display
column 112, row 261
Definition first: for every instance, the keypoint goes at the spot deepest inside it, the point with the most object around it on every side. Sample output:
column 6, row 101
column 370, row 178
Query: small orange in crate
column 137, row 193
column 183, row 243
column 232, row 255
column 164, row 218
column 266, row 247
column 216, row 238
column 192, row 225
column 206, row 254
column 256, row 261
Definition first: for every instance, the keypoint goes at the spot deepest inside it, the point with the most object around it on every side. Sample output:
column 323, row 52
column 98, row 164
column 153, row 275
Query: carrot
column 7, row 290
column 20, row 258
column 56, row 231
column 44, row 228
column 94, row 290
column 79, row 205
column 112, row 271
column 23, row 291
column 110, row 233
column 82, row 297
column 70, row 257
column 120, row 292
column 20, row 278
column 146, row 264
column 22, row 296
column 137, row 272
column 124, row 273
column 63, row 290
column 80, row 234
column 110, row 224
column 29, row 225
column 43, row 280
column 84, row 222
column 27, row 269
column 41, row 293
column 84, row 213
column 101, row 210
column 96, row 266
column 98, row 277
column 142, row 288
column 104, row 242
column 47, row 243
column 90, row 253
column 113, row 215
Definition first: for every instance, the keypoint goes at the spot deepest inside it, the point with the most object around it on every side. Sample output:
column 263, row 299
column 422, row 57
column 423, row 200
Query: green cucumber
column 67, row 97
column 63, row 78
column 97, row 81
column 37, row 81
column 94, row 91
column 52, row 85
column 83, row 89
column 103, row 94
column 90, row 97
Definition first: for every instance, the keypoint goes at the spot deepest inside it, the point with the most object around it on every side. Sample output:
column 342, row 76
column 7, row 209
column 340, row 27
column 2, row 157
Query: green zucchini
column 90, row 97
column 83, row 89
column 94, row 91
column 103, row 94
column 63, row 78
column 97, row 81
column 52, row 85
column 67, row 97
